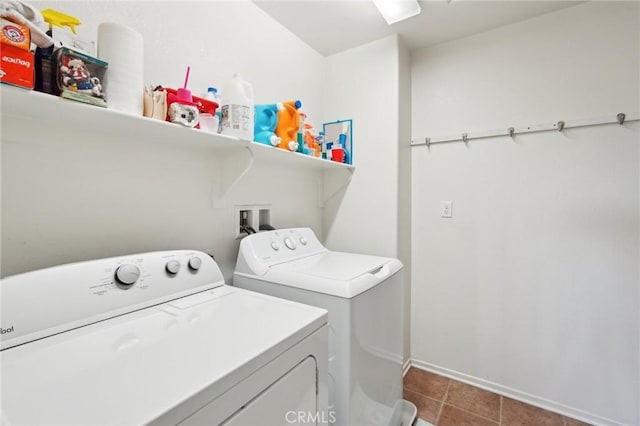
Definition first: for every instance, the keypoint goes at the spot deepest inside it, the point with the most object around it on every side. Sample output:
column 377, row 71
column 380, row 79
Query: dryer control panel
column 49, row 301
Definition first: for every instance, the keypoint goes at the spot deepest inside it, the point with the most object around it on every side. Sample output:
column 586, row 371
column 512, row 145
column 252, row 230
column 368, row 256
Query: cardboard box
column 80, row 76
column 16, row 35
column 16, row 66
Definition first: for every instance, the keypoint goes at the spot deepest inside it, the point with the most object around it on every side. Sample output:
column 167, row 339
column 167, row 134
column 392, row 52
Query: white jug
column 238, row 108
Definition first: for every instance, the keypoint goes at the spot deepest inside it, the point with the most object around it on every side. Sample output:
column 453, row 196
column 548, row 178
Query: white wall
column 367, row 84
column 531, row 289
column 362, row 84
column 62, row 204
column 404, row 186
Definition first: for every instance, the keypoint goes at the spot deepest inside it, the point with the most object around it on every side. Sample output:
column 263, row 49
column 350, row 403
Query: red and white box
column 17, row 66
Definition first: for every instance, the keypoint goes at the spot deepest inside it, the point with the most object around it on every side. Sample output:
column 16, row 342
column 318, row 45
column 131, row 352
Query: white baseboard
column 514, row 394
column 406, row 367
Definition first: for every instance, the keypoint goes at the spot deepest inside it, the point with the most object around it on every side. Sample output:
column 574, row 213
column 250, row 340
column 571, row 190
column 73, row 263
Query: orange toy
column 288, row 124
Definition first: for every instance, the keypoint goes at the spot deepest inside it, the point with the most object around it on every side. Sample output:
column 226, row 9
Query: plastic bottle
column 266, row 117
column 288, row 124
column 211, row 122
column 300, row 134
column 45, row 69
column 312, row 147
column 238, row 109
column 45, row 62
column 212, row 94
column 323, row 145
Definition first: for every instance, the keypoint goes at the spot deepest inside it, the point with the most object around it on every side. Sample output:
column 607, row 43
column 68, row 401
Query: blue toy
column 266, row 117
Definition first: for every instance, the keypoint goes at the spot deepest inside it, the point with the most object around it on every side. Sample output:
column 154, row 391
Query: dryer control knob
column 195, row 263
column 172, row 267
column 127, row 274
column 275, row 245
column 303, row 241
column 289, row 243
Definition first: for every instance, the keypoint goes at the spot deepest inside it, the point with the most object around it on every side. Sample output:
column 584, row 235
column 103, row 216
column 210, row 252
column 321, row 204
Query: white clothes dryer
column 364, row 297
column 156, row 338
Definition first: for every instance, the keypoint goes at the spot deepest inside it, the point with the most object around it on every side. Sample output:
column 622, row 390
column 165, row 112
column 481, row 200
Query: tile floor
column 447, row 402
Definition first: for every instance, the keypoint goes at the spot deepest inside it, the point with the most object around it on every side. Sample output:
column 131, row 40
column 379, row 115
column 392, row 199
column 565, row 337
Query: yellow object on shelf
column 59, row 19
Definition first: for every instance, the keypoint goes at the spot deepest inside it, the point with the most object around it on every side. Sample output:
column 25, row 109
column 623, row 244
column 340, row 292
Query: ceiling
column 331, row 26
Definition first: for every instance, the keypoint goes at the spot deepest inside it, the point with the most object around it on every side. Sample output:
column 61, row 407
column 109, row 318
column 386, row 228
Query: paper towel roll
column 123, row 48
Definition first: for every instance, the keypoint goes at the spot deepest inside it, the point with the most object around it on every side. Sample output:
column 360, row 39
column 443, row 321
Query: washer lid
column 294, row 257
column 336, row 273
column 336, row 266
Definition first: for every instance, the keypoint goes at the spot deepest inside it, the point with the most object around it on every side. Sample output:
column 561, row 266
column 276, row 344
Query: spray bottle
column 60, row 20
column 68, row 38
column 44, row 60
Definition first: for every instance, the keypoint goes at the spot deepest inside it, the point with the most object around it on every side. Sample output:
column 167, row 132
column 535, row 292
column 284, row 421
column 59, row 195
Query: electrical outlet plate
column 446, row 209
column 251, row 216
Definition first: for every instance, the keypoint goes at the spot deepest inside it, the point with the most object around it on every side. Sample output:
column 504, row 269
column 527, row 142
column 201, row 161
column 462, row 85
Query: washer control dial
column 303, row 241
column 289, row 243
column 172, row 267
column 127, row 274
column 195, row 263
column 275, row 245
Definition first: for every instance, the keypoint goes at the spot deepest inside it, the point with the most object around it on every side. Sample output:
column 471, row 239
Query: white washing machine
column 364, row 297
column 156, row 338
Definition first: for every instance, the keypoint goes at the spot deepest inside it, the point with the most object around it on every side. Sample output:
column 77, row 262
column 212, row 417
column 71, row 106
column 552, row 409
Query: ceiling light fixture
column 397, row 10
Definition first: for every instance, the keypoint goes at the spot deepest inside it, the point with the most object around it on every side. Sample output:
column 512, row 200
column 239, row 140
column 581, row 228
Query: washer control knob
column 289, row 243
column 172, row 267
column 275, row 245
column 127, row 274
column 195, row 263
column 303, row 241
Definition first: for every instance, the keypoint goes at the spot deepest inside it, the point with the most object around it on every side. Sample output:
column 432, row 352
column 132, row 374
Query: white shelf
column 39, row 109
column 270, row 154
column 29, row 106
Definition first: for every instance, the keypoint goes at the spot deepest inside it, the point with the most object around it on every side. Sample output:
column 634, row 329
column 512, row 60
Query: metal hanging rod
column 620, row 118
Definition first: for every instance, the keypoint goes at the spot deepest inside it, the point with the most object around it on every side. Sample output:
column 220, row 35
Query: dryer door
column 279, row 399
column 290, row 400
